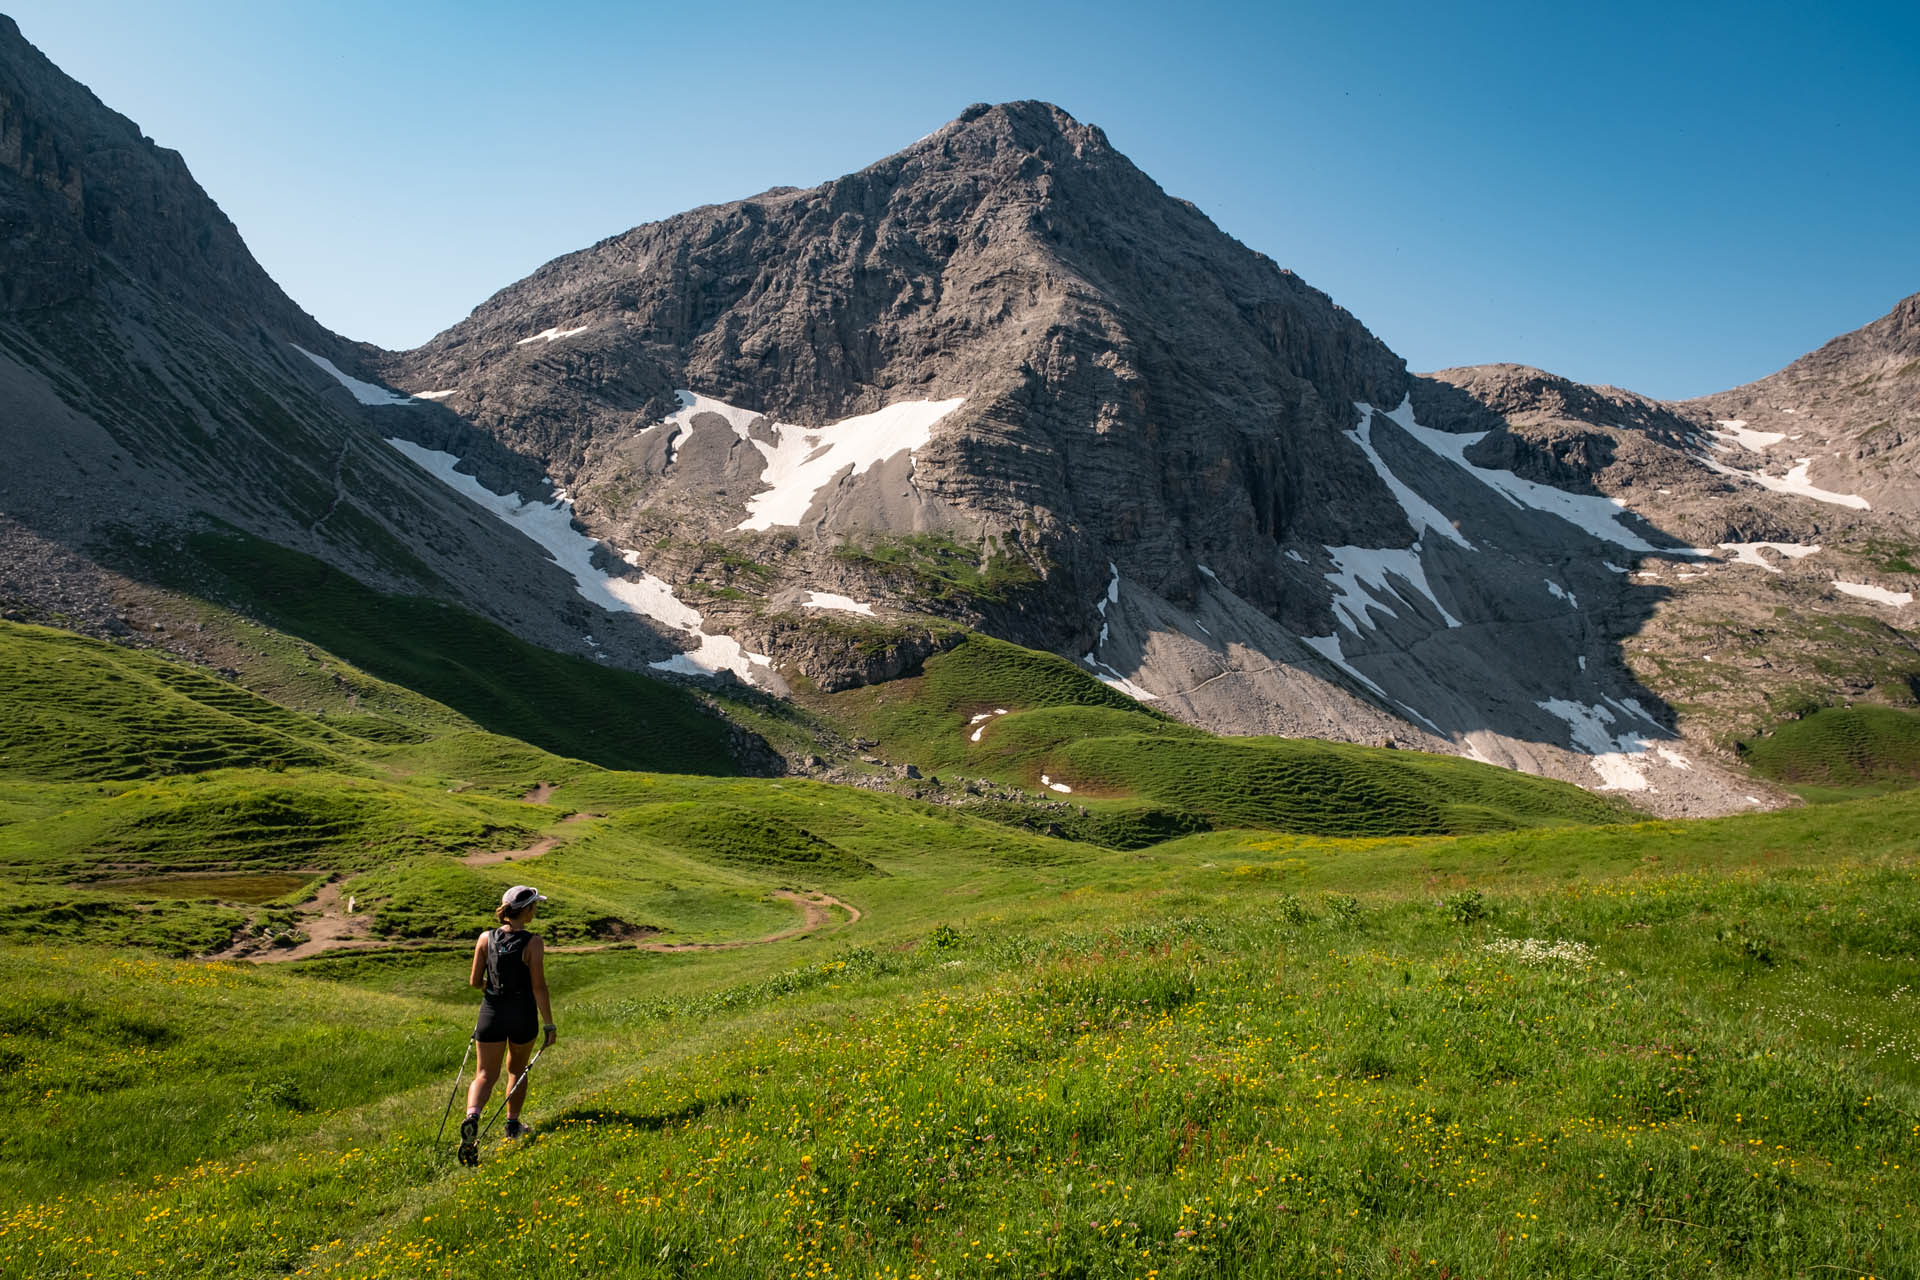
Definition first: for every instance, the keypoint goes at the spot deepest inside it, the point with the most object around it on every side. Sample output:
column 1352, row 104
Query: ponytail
column 500, row 913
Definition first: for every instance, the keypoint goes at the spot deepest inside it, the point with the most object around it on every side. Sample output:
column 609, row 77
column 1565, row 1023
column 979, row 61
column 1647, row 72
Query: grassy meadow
column 1252, row 1008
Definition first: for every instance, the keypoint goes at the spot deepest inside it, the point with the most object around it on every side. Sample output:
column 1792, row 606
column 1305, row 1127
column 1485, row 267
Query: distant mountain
column 1001, row 377
column 999, row 380
column 1805, row 486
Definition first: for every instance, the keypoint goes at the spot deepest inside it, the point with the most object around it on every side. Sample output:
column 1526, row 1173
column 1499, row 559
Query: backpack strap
column 493, row 962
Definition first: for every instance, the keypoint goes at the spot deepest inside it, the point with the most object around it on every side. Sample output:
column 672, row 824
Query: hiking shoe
column 470, row 1140
column 515, row 1129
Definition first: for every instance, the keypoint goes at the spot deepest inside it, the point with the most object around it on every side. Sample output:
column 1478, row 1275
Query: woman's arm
column 537, row 971
column 479, row 975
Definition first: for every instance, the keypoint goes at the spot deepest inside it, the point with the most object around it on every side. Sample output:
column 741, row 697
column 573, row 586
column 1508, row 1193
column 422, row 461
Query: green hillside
column 1341, row 1013
column 1841, row 751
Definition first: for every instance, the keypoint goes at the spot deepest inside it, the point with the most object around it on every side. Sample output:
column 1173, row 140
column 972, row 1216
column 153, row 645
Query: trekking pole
column 455, row 1093
column 517, row 1085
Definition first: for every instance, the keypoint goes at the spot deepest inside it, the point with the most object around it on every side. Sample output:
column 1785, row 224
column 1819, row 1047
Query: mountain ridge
column 997, row 380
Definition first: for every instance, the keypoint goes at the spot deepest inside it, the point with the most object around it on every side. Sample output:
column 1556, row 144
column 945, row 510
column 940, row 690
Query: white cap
column 520, row 897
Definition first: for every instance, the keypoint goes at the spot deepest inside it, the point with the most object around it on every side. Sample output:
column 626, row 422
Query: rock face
column 1001, row 378
column 1129, row 375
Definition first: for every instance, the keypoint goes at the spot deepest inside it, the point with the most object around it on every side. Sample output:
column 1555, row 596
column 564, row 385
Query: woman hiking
column 509, row 965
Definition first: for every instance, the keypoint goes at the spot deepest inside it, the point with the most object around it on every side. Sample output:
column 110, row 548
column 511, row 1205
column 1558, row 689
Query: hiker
column 509, row 966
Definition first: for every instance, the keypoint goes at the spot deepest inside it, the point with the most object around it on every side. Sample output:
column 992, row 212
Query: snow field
column 550, row 526
column 1879, row 595
column 1736, row 431
column 552, row 335
column 364, row 392
column 1796, row 481
column 1600, row 517
column 1619, row 752
column 1356, row 568
column 1749, row 553
column 800, row 462
column 1420, row 513
column 844, row 604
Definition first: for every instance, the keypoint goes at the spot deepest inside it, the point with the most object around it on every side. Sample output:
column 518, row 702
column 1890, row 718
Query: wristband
column 548, row 1026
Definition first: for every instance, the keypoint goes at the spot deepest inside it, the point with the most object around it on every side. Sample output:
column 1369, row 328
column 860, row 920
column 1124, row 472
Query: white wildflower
column 1539, row 951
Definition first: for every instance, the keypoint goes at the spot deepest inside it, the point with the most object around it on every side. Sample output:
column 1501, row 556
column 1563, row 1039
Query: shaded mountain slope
column 154, row 381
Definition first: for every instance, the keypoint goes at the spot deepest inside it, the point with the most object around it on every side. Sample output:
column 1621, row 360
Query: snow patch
column 1749, row 553
column 1879, row 595
column 1471, row 750
column 1292, row 555
column 1114, row 680
column 1583, row 662
column 1616, row 568
column 1559, row 592
column 1329, row 648
column 691, row 406
column 1420, row 513
column 1735, row 430
column 552, row 335
column 1112, row 596
column 981, row 720
column 827, row 600
column 435, row 395
column 1674, row 758
column 1598, row 516
column 1796, row 481
column 1367, row 567
column 1618, row 757
column 1051, row 785
column 364, row 392
column 800, row 462
column 550, row 526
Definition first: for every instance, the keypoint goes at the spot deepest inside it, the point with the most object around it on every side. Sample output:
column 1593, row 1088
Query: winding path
column 329, row 927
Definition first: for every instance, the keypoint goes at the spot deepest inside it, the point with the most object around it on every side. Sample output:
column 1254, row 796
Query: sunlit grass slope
column 1504, row 1056
column 144, row 801
column 1543, row 1048
column 77, row 709
column 1838, row 751
column 990, row 709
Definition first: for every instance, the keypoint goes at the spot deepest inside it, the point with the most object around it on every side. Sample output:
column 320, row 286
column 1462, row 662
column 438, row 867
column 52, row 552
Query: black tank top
column 507, row 976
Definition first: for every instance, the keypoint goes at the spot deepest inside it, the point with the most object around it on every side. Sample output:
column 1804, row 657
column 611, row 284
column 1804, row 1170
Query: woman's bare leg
column 517, row 1056
column 485, row 1072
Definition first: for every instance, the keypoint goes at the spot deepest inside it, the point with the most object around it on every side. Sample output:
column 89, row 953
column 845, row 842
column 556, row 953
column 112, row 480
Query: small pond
column 226, row 886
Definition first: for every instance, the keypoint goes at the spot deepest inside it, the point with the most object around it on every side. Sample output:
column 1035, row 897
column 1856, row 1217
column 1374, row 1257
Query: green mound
column 922, row 717
column 739, row 837
column 1137, row 778
column 1841, row 747
column 81, row 710
column 242, row 819
column 566, row 705
column 1322, row 788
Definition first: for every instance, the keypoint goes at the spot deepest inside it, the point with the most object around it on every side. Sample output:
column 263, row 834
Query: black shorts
column 515, row 1023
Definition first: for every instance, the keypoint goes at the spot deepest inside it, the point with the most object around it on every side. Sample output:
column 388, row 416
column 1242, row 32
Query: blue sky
column 1673, row 197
